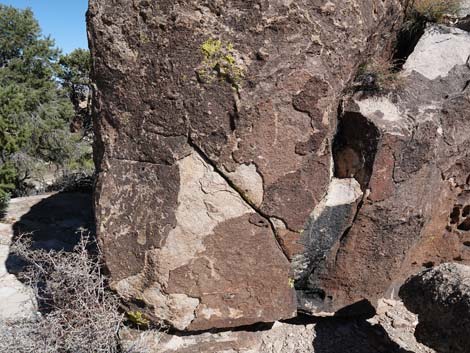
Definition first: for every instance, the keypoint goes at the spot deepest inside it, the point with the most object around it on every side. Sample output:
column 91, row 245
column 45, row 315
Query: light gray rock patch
column 204, row 201
column 439, row 51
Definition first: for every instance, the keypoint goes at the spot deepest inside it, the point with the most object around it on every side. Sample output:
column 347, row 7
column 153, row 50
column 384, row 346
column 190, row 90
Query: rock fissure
column 354, row 148
column 234, row 187
column 329, row 222
column 143, row 161
column 345, row 233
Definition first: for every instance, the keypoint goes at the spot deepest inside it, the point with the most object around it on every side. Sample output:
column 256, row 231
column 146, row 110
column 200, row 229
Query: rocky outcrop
column 441, row 298
column 214, row 126
column 241, row 179
column 390, row 331
column 407, row 149
column 278, row 338
column 55, row 219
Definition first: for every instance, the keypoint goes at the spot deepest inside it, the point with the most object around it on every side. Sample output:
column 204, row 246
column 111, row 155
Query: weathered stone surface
column 437, row 53
column 16, row 300
column 464, row 8
column 409, row 152
column 214, row 124
column 279, row 338
column 441, row 298
column 327, row 225
column 322, row 335
column 220, row 265
column 400, row 325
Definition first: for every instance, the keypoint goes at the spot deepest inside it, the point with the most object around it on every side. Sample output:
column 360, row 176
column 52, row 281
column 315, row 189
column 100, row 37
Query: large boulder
column 214, row 128
column 441, row 298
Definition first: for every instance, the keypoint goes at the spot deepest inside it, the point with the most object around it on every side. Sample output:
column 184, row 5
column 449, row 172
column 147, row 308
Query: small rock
column 399, row 323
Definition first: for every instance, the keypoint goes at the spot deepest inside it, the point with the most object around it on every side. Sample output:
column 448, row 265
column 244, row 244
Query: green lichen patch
column 220, row 62
column 138, row 318
column 211, row 47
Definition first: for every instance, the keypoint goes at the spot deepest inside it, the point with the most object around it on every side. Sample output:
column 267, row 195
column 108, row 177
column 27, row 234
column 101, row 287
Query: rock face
column 409, row 152
column 214, row 127
column 441, row 298
column 240, row 181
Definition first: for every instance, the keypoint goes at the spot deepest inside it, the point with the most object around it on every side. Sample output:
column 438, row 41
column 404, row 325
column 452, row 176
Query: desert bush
column 77, row 314
column 379, row 74
column 73, row 182
column 418, row 14
column 435, row 10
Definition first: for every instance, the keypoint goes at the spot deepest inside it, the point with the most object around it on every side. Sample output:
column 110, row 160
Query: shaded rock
column 214, row 122
column 326, row 335
column 409, row 152
column 400, row 325
column 441, row 298
column 464, row 23
column 323, row 233
column 277, row 338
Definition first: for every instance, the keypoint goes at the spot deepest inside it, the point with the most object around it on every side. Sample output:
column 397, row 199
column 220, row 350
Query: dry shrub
column 380, row 74
column 78, row 314
column 435, row 10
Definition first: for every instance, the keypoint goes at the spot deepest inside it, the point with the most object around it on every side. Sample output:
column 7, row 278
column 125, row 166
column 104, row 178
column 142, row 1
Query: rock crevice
column 260, row 219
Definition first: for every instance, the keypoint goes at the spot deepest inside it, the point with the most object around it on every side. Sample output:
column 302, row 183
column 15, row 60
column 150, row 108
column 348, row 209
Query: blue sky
column 63, row 20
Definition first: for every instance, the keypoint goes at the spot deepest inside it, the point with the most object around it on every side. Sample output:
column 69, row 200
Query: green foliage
column 75, row 68
column 35, row 108
column 220, row 62
column 19, row 34
column 74, row 75
column 4, row 200
column 211, row 47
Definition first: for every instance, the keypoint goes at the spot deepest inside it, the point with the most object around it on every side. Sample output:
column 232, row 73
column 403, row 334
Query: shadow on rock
column 53, row 223
column 440, row 296
column 340, row 335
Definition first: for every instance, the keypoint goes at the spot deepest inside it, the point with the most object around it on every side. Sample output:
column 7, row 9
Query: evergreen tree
column 35, row 108
column 75, row 78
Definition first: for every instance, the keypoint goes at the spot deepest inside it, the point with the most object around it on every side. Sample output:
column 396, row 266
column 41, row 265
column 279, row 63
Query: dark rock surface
column 441, row 298
column 241, row 179
column 214, row 124
column 408, row 150
column 391, row 330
